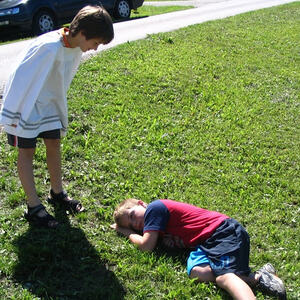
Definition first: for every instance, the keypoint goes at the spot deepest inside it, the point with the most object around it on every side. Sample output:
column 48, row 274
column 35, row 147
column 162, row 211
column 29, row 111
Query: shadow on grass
column 177, row 254
column 62, row 264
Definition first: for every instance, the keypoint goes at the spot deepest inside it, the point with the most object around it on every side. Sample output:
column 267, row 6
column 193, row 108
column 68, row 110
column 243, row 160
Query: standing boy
column 35, row 103
column 221, row 245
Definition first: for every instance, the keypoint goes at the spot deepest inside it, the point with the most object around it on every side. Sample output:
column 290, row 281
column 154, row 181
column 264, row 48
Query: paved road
column 196, row 3
column 138, row 29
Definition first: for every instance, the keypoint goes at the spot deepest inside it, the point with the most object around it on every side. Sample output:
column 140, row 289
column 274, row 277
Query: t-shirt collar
column 64, row 32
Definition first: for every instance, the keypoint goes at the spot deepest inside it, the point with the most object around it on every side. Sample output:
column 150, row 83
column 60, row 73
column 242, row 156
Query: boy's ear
column 83, row 33
column 142, row 203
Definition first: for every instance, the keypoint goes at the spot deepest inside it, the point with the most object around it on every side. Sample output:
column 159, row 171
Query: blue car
column 40, row 16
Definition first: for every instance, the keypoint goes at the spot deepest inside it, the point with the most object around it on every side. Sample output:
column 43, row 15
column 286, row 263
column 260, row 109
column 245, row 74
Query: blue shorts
column 196, row 258
column 226, row 251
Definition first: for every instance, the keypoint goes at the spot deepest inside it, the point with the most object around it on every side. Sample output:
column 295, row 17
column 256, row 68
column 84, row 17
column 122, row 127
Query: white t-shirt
column 35, row 93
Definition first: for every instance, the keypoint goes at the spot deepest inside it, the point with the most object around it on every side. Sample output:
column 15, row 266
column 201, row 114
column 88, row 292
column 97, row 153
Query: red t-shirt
column 187, row 224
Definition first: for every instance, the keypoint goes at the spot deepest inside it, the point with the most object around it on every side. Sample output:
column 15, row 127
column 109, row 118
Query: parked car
column 41, row 16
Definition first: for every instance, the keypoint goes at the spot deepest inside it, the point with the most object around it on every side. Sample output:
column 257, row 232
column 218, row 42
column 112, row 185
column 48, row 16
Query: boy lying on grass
column 221, row 245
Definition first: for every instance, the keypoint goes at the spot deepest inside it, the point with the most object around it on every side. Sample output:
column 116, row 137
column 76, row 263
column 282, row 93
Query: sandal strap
column 58, row 197
column 33, row 217
column 73, row 204
column 34, row 210
column 62, row 198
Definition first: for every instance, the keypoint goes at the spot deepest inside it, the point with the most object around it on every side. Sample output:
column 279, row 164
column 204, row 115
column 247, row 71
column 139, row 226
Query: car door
column 67, row 9
column 108, row 4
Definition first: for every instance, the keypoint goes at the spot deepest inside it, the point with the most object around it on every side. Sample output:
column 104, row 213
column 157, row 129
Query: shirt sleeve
column 156, row 217
column 25, row 84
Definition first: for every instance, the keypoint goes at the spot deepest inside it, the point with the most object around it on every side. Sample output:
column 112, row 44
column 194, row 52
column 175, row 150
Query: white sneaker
column 269, row 268
column 270, row 283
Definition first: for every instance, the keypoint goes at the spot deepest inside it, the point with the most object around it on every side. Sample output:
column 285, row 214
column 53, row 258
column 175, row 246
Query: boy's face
column 90, row 44
column 134, row 218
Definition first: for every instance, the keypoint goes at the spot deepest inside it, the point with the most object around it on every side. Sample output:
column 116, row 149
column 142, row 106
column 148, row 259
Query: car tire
column 44, row 21
column 122, row 9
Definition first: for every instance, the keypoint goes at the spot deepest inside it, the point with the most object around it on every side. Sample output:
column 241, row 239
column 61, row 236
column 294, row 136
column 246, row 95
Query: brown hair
column 122, row 207
column 93, row 22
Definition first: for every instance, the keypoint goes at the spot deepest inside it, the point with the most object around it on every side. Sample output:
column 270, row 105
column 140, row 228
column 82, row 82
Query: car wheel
column 43, row 22
column 122, row 9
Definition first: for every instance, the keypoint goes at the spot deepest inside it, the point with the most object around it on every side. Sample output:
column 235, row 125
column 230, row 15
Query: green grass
column 208, row 115
column 148, row 10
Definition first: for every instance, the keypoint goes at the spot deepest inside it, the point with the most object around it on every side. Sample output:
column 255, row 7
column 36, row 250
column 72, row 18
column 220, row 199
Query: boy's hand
column 168, row 241
column 172, row 241
column 113, row 226
column 145, row 242
column 122, row 230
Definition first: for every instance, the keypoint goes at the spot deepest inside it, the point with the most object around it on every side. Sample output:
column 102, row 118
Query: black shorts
column 21, row 142
column 228, row 249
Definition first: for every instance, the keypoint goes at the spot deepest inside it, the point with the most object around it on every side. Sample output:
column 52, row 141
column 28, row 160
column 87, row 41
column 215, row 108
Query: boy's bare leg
column 54, row 164
column 25, row 171
column 54, row 167
column 235, row 286
column 203, row 273
column 251, row 279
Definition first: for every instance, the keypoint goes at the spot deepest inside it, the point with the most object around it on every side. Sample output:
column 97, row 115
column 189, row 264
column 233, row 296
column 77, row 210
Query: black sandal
column 32, row 217
column 62, row 199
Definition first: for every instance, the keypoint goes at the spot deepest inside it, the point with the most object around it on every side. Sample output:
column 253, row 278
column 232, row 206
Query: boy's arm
column 145, row 242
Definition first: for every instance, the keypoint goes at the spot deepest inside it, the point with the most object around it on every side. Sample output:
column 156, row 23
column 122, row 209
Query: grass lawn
column 148, row 10
column 207, row 115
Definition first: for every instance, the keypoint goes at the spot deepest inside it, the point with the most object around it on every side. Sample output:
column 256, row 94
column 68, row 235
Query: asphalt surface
column 196, row 3
column 131, row 30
